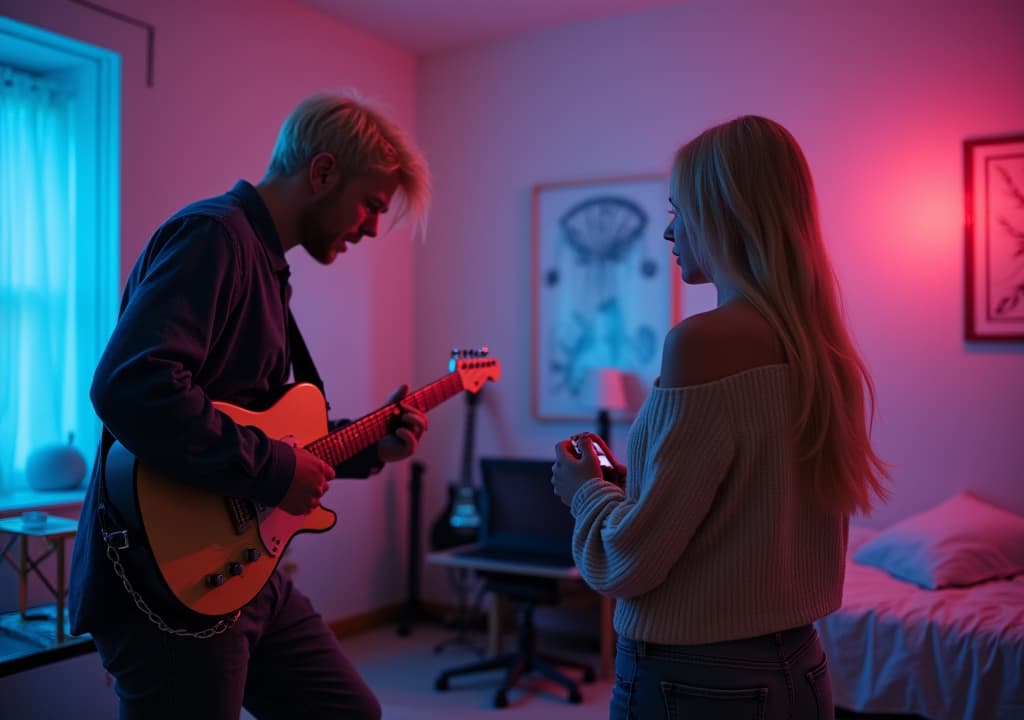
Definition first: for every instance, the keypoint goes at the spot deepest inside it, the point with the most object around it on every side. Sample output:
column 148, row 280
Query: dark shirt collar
column 259, row 217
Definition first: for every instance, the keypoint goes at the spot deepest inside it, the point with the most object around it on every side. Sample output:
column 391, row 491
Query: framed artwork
column 994, row 238
column 605, row 292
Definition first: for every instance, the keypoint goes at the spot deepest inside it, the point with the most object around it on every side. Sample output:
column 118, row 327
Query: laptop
column 521, row 518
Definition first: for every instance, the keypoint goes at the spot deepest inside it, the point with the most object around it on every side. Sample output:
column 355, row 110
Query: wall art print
column 994, row 238
column 606, row 290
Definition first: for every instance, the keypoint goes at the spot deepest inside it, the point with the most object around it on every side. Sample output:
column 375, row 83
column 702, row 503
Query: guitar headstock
column 474, row 367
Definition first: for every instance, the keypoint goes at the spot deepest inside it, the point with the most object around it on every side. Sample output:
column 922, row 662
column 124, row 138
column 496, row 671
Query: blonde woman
column 726, row 539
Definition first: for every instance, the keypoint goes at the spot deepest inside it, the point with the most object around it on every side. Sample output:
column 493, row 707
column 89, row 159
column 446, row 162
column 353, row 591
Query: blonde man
column 205, row 317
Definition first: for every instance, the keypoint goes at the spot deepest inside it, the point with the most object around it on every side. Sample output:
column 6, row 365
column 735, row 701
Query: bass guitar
column 210, row 554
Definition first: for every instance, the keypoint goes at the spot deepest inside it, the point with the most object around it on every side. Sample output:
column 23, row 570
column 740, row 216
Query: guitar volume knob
column 251, row 555
column 234, row 568
column 215, row 580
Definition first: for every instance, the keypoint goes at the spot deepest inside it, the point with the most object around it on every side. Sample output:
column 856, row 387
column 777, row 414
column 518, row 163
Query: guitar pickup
column 242, row 514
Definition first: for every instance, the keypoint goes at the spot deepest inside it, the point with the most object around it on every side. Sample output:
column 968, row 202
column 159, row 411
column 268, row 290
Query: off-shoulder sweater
column 711, row 539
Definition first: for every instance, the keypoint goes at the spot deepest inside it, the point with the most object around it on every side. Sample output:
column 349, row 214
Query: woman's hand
column 570, row 471
column 616, row 474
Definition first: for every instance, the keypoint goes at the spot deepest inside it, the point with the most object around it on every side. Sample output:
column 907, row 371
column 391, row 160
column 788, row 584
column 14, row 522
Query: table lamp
column 609, row 386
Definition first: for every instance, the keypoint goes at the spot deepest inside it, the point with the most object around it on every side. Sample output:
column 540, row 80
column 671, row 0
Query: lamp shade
column 609, row 386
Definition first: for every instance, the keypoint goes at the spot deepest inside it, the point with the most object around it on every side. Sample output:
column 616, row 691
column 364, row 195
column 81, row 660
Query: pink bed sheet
column 951, row 654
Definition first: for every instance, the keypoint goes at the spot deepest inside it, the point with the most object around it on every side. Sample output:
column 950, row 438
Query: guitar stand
column 413, row 611
column 466, row 618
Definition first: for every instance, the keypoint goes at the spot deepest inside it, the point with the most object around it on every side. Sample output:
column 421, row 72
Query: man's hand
column 309, row 483
column 402, row 442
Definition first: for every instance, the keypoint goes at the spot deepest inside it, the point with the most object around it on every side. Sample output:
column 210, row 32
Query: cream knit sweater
column 711, row 539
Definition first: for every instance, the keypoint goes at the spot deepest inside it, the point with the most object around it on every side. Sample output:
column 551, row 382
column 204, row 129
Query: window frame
column 95, row 74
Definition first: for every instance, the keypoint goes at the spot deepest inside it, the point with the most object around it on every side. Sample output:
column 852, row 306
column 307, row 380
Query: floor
column 402, row 671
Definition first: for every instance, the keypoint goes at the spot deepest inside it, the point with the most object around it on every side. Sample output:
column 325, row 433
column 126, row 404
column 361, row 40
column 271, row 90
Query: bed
column 954, row 653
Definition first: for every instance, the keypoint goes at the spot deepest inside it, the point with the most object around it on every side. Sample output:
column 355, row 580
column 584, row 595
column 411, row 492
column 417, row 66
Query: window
column 59, row 239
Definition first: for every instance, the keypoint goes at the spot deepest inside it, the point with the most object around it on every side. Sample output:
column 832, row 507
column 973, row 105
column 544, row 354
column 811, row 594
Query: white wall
column 881, row 96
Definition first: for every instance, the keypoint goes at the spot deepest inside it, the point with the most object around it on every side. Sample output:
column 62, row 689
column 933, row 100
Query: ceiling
column 424, row 26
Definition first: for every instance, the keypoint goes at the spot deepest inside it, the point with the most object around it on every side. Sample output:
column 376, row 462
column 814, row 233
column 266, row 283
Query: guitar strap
column 303, row 368
column 112, row 526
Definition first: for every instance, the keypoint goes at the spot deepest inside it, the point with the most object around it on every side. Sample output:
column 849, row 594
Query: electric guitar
column 458, row 522
column 210, row 554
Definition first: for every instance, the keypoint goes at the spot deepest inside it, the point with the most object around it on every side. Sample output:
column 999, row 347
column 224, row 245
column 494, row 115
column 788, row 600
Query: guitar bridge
column 275, row 527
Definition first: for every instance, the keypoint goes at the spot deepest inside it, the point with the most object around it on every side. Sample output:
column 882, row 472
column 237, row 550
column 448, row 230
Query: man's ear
column 321, row 171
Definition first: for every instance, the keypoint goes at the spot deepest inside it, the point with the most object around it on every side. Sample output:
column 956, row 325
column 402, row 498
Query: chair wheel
column 588, row 675
column 575, row 697
column 500, row 699
column 441, row 683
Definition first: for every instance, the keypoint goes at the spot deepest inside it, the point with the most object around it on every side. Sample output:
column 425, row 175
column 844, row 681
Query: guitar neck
column 349, row 440
column 466, row 477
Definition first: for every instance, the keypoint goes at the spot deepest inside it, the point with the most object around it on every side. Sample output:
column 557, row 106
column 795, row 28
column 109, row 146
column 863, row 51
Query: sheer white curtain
column 48, row 276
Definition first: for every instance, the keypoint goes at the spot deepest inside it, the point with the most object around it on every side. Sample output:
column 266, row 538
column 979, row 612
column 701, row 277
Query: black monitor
column 520, row 511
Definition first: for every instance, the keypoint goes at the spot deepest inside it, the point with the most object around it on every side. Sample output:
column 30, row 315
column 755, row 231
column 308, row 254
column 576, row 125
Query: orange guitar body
column 191, row 533
column 210, row 555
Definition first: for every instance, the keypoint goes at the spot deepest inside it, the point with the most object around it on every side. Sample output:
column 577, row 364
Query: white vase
column 55, row 467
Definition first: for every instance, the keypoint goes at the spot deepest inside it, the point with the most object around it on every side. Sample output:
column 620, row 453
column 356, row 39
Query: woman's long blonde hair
column 749, row 209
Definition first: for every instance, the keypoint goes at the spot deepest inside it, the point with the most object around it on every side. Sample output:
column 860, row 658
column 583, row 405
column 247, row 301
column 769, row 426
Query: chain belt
column 217, row 628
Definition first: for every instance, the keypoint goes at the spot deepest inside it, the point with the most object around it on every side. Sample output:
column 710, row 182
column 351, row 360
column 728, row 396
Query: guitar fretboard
column 350, row 440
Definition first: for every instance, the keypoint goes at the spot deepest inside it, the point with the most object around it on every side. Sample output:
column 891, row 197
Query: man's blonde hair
column 362, row 140
column 750, row 213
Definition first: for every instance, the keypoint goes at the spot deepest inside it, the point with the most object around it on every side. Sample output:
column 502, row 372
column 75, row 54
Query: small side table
column 55, row 530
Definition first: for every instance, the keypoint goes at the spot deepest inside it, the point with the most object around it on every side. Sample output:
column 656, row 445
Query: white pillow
column 962, row 541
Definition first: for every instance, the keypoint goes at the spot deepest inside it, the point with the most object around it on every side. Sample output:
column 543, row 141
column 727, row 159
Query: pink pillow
column 961, row 541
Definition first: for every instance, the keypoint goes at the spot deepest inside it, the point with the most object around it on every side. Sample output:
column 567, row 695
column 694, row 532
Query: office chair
column 529, row 593
column 524, row 523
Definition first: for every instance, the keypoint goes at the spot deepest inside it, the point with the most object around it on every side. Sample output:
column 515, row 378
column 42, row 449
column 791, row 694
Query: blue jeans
column 781, row 676
column 279, row 660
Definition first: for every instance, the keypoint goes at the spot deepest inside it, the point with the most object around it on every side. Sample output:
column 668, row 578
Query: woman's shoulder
column 718, row 343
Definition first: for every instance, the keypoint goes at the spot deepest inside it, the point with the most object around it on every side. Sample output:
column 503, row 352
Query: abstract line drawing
column 994, row 238
column 1006, row 293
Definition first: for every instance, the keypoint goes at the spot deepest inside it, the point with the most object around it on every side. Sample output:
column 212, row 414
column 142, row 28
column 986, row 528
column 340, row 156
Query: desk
column 453, row 558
